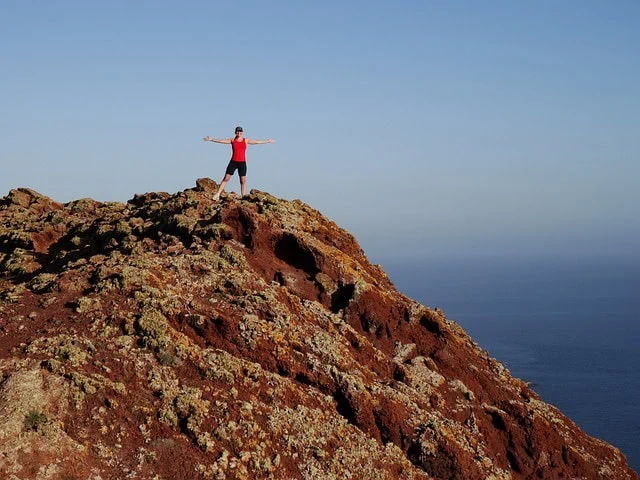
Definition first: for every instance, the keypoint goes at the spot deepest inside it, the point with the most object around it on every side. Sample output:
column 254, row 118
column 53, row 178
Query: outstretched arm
column 259, row 142
column 217, row 140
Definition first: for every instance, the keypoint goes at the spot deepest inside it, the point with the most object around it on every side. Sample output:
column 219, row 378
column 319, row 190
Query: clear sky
column 426, row 128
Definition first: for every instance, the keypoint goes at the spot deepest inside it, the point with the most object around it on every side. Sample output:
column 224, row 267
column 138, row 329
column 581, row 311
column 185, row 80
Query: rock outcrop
column 173, row 337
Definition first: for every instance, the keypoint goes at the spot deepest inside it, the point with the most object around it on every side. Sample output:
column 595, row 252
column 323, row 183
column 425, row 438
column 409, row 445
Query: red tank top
column 238, row 149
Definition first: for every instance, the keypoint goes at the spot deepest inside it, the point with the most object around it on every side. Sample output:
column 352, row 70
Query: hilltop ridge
column 173, row 337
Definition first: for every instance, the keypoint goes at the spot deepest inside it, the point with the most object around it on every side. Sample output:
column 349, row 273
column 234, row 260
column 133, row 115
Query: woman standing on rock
column 238, row 159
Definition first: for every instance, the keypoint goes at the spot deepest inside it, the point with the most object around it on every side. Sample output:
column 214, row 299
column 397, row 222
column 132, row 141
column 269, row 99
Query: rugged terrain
column 173, row 337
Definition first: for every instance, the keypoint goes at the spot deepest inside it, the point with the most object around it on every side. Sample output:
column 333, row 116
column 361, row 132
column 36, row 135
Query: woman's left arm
column 259, row 142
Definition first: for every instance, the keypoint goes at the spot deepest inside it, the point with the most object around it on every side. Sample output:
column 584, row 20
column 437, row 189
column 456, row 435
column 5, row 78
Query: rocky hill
column 173, row 337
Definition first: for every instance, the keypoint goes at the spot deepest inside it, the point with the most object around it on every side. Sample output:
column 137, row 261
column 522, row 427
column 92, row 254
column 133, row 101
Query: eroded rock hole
column 279, row 277
column 242, row 225
column 497, row 421
column 512, row 458
column 341, row 297
column 344, row 407
column 304, row 379
column 283, row 371
column 289, row 250
column 247, row 229
column 431, row 325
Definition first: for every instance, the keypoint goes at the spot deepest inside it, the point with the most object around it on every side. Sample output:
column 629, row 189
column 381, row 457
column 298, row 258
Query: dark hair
column 238, row 129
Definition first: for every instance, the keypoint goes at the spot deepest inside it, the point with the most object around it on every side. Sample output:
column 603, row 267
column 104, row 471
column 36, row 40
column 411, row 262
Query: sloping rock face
column 174, row 337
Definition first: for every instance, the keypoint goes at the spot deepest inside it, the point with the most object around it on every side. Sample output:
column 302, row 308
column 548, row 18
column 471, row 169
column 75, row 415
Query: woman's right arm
column 217, row 140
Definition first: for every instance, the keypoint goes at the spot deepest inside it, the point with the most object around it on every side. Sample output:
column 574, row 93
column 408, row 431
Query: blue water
column 571, row 328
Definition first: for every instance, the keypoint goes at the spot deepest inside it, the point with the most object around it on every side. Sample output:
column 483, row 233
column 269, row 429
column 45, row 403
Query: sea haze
column 569, row 327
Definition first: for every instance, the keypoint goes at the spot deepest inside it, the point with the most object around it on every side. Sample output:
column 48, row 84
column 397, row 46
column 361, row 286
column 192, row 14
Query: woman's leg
column 223, row 184
column 243, row 186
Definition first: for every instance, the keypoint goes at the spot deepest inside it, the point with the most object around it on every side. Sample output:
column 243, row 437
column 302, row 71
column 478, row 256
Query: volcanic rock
column 174, row 337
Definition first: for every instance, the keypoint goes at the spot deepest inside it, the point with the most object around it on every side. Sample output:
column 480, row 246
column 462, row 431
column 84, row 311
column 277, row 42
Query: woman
column 238, row 159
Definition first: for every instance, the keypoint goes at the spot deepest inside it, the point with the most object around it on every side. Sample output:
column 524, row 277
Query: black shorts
column 240, row 166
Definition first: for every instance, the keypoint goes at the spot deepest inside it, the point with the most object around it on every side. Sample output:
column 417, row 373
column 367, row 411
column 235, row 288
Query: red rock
column 206, row 185
column 252, row 339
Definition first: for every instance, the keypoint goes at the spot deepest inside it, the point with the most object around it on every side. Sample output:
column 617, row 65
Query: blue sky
column 427, row 129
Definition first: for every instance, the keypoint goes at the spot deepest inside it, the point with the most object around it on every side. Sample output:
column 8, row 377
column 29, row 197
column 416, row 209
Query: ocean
column 569, row 327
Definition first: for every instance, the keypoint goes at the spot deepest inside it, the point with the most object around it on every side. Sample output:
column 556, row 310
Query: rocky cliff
column 173, row 337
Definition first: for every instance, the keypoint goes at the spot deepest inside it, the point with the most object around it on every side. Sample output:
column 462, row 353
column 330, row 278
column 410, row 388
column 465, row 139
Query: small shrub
column 168, row 359
column 35, row 420
column 152, row 326
column 233, row 256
